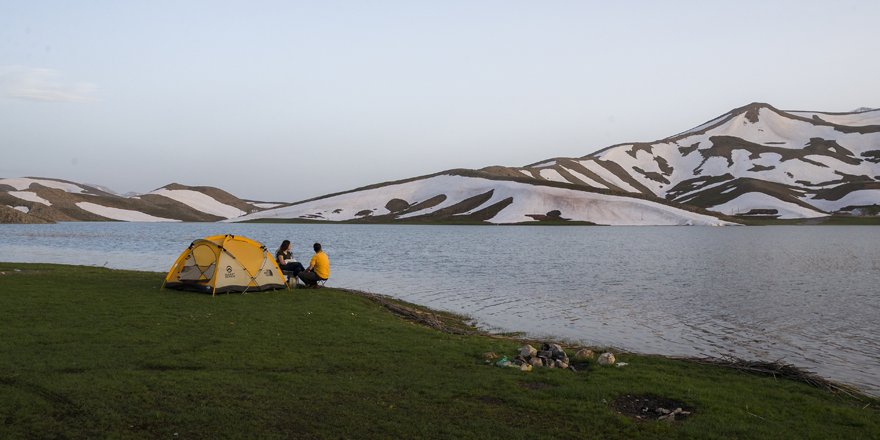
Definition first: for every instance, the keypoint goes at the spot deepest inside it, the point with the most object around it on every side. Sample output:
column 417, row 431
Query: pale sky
column 285, row 100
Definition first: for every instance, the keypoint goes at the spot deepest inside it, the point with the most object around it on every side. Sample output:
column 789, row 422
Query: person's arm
column 280, row 259
column 312, row 264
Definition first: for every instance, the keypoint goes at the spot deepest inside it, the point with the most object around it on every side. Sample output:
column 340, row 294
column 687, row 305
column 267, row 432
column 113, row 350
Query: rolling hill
column 37, row 200
column 755, row 161
column 467, row 196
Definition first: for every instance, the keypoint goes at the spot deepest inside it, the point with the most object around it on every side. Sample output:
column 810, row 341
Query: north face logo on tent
column 229, row 272
column 268, row 272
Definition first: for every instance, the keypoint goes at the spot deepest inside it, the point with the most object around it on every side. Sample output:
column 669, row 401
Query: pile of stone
column 607, row 359
column 670, row 416
column 549, row 356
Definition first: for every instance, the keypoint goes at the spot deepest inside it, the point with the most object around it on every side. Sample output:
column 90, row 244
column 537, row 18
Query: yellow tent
column 225, row 263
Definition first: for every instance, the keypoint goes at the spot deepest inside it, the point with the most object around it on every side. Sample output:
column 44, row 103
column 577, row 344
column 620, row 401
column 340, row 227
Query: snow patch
column 267, row 205
column 833, row 164
column 860, row 197
column 593, row 207
column 24, row 183
column 606, row 175
column 690, row 195
column 871, row 117
column 30, row 196
column 552, row 175
column 200, row 202
column 125, row 215
column 756, row 200
column 714, row 166
column 527, row 199
column 586, row 179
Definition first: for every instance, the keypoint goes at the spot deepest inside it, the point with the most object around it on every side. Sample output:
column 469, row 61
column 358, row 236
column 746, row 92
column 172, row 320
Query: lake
column 801, row 294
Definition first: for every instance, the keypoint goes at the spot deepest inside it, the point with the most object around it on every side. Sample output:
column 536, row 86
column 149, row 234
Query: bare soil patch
column 652, row 407
column 396, row 205
column 757, row 167
column 872, row 156
column 688, row 150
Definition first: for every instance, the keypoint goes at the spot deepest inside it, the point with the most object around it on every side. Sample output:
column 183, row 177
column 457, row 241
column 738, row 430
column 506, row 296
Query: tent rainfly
column 225, row 263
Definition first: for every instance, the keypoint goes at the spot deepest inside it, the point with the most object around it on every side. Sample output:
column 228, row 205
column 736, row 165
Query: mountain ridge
column 754, row 161
column 41, row 199
column 824, row 159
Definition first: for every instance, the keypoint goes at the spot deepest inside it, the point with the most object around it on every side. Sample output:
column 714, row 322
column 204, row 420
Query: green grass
column 89, row 352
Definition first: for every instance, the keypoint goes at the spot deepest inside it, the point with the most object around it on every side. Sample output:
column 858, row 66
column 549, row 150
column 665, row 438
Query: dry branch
column 783, row 370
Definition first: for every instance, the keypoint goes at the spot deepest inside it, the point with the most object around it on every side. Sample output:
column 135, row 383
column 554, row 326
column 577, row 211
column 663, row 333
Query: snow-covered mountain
column 459, row 196
column 43, row 199
column 754, row 160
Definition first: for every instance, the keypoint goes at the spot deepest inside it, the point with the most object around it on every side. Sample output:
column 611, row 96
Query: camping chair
column 318, row 284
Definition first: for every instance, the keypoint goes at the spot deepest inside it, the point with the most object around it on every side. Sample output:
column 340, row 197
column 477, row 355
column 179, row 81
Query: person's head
column 285, row 245
column 317, row 247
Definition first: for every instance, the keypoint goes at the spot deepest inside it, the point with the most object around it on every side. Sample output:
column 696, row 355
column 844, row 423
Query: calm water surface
column 804, row 295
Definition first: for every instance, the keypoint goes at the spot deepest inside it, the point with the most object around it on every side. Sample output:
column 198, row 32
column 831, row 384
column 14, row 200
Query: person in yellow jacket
column 319, row 268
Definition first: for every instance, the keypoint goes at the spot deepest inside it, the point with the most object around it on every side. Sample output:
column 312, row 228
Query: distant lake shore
column 836, row 220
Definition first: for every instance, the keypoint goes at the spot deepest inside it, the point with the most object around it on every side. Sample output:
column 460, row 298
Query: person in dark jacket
column 286, row 261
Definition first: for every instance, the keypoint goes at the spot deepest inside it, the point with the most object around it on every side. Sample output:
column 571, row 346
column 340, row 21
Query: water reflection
column 804, row 295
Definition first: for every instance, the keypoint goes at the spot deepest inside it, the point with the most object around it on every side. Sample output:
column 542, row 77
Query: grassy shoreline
column 92, row 352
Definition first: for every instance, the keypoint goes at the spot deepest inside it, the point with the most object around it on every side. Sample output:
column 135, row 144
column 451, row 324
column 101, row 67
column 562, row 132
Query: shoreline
column 832, row 220
column 90, row 351
column 459, row 324
column 513, row 333
column 449, row 322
